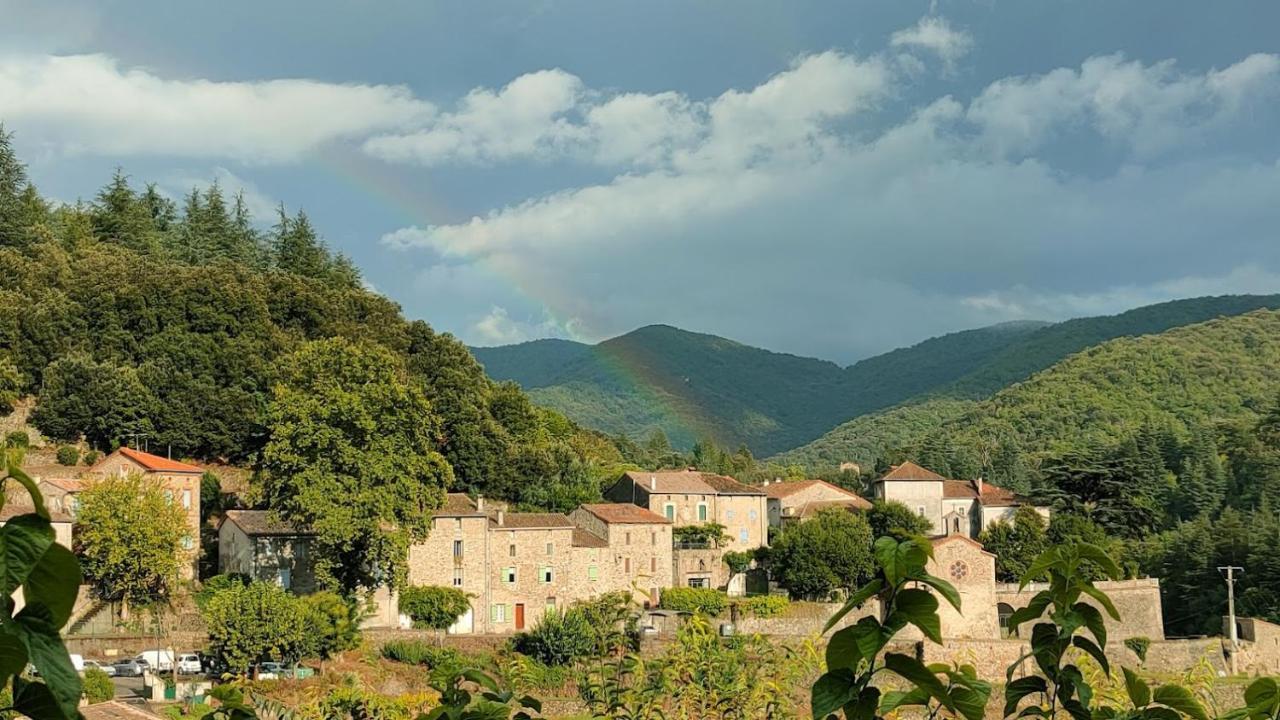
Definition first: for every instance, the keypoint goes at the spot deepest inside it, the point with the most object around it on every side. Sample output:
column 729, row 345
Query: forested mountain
column 133, row 317
column 694, row 386
column 1199, row 376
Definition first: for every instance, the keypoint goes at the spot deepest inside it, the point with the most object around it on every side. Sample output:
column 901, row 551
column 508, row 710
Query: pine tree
column 13, row 184
column 216, row 226
column 161, row 210
column 247, row 244
column 119, row 215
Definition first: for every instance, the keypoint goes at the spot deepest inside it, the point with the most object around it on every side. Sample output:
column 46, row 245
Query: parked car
column 189, row 664
column 272, row 671
column 107, row 668
column 157, row 660
column 128, row 667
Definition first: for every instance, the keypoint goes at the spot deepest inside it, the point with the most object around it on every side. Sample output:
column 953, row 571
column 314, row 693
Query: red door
column 519, row 616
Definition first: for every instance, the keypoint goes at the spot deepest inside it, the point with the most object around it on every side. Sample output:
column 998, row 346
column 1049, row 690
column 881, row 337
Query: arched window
column 1004, row 610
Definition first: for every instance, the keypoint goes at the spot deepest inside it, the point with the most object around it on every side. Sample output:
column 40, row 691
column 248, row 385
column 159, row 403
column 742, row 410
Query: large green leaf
column 1180, row 699
column 855, row 600
column 920, row 608
column 1262, row 697
column 54, row 583
column 855, row 643
column 1139, row 691
column 1043, row 562
column 13, row 655
column 971, row 702
column 902, row 698
column 1032, row 610
column 900, row 560
column 46, row 651
column 914, row 672
column 37, row 499
column 944, row 588
column 1094, row 651
column 1093, row 620
column 1102, row 599
column 832, row 691
column 34, row 700
column 1018, row 689
column 864, row 708
column 1100, row 558
column 23, row 541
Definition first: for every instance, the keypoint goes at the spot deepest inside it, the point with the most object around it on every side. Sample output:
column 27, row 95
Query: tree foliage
column 253, row 623
column 1016, row 543
column 129, row 537
column 433, row 607
column 831, row 551
column 890, row 517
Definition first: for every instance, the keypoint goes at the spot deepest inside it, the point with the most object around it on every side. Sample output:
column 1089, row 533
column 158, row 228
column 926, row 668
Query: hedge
column 433, row 607
column 695, row 600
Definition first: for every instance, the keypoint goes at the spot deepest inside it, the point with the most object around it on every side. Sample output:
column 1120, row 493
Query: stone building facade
column 639, row 543
column 253, row 543
column 951, row 506
column 180, row 481
column 689, row 497
column 795, row 500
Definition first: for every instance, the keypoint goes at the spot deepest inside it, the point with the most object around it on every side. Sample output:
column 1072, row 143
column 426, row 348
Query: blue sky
column 830, row 179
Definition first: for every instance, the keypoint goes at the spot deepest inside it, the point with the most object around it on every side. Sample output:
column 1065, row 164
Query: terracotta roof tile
column 787, row 488
column 725, row 485
column 672, row 481
column 12, row 510
column 157, row 463
column 911, row 471
column 530, row 521
column 68, row 484
column 943, row 539
column 115, row 710
column 262, row 522
column 457, row 504
column 810, row 509
column 624, row 513
column 992, row 495
column 582, row 538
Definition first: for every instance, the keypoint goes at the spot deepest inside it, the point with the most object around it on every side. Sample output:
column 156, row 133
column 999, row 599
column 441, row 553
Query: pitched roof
column 810, row 509
column 12, row 510
column 67, row 484
column 457, row 505
column 690, row 482
column 156, row 463
column 582, row 538
column 262, row 523
column 911, row 471
column 787, row 488
column 992, row 495
column 944, row 539
column 624, row 513
column 531, row 521
column 115, row 710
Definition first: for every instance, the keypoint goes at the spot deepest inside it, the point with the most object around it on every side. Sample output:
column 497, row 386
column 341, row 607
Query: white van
column 77, row 661
column 157, row 660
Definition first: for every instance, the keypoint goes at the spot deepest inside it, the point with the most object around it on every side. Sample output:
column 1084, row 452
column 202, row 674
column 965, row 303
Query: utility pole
column 1231, row 613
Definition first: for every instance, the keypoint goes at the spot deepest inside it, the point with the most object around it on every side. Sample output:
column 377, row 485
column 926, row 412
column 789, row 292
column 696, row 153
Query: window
column 752, row 515
column 742, row 535
column 628, row 537
column 550, row 549
column 457, row 577
column 511, row 551
column 728, row 514
column 551, row 603
column 699, row 582
column 457, row 548
column 283, row 578
column 545, row 574
column 168, row 496
column 593, row 573
column 670, row 511
column 626, row 565
column 653, row 538
column 186, row 499
column 188, row 543
column 498, row 613
column 653, row 564
column 509, row 575
column 702, row 512
column 920, row 510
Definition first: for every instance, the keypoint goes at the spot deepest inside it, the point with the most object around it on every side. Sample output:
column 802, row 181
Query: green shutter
column 593, row 573
column 493, row 613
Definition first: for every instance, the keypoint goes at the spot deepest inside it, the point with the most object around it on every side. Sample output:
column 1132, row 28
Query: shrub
column 418, row 652
column 68, row 455
column 217, row 583
column 738, row 561
column 332, row 623
column 558, row 639
column 764, row 606
column 91, row 457
column 97, row 686
column 433, row 607
column 17, row 439
column 703, row 601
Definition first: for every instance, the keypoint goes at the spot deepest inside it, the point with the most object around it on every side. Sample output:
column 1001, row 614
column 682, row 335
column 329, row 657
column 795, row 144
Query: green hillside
column 693, row 386
column 1223, row 370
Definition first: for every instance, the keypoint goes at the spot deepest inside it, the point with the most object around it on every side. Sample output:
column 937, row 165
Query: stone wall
column 1259, row 646
column 804, row 619
column 1138, row 602
column 519, row 605
column 439, row 560
column 916, row 495
column 700, row 564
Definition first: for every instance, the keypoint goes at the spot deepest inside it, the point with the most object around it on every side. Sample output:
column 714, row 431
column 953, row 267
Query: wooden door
column 519, row 616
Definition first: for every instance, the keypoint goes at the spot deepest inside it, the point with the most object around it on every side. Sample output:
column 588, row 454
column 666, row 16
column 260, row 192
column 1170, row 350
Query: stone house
column 951, row 506
column 531, row 568
column 964, row 563
column 793, row 500
column 60, row 493
column 455, row 554
column 263, row 547
column 180, row 481
column 689, row 497
column 639, row 543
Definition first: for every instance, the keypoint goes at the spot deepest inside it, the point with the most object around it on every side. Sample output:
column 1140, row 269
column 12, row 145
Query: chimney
column 978, row 483
column 653, row 482
column 502, row 518
column 480, row 503
column 766, row 482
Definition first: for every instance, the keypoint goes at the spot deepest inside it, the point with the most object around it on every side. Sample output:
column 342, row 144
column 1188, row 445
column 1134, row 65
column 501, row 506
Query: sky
column 832, row 179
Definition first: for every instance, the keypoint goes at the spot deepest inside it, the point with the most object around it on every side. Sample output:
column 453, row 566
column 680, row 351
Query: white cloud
column 773, row 212
column 549, row 114
column 935, row 34
column 260, row 205
column 1150, row 108
column 499, row 328
column 90, row 104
